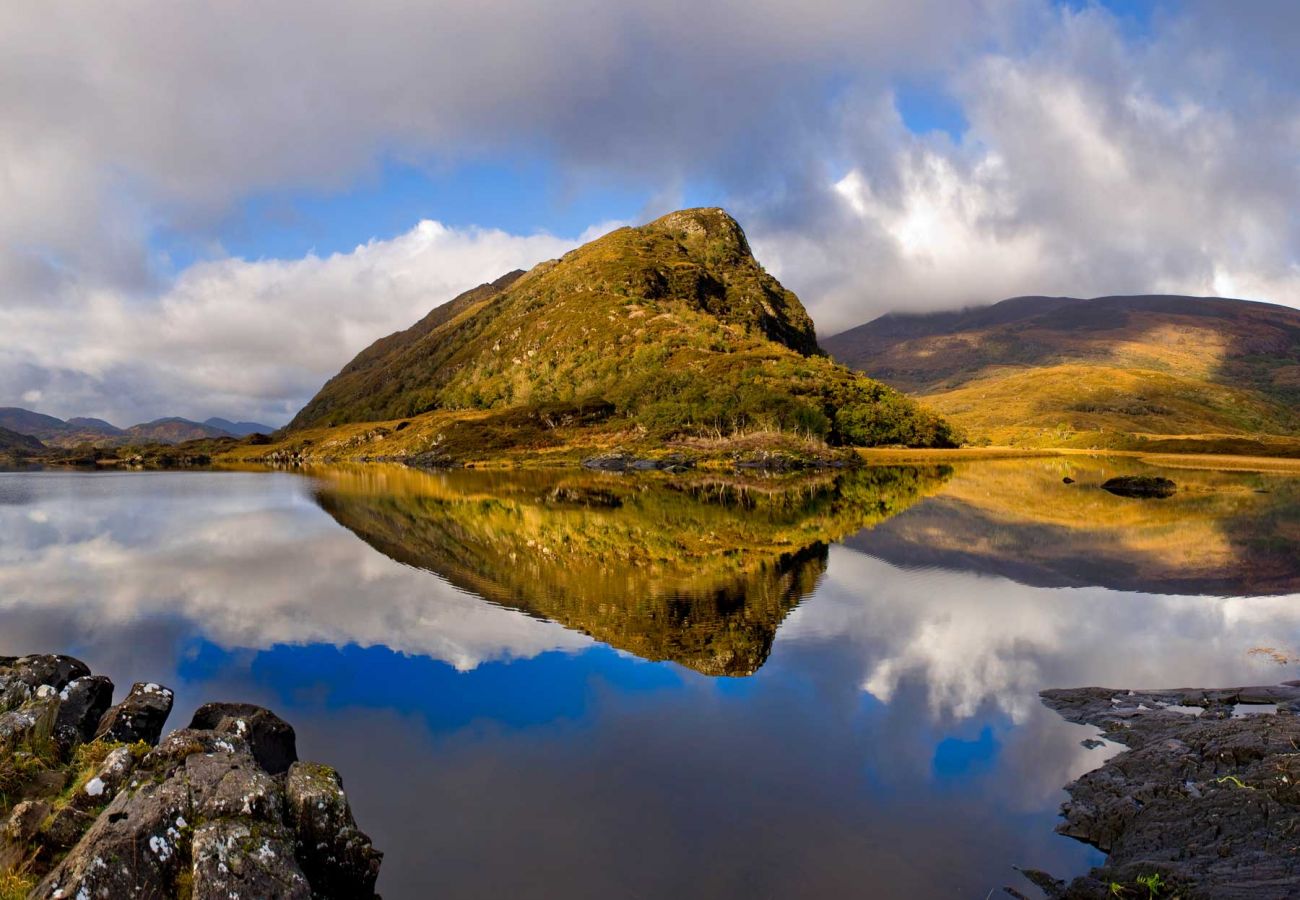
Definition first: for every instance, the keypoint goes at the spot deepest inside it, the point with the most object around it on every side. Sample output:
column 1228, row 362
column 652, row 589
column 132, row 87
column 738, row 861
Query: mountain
column 671, row 328
column 172, row 430
column 12, row 441
column 1165, row 372
column 24, row 421
column 238, row 429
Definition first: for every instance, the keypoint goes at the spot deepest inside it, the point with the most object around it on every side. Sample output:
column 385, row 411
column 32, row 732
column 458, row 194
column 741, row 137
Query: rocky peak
column 705, row 228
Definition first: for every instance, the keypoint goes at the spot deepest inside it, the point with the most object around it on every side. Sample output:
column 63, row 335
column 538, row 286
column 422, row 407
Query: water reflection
column 696, row 569
column 887, row 740
column 1224, row 533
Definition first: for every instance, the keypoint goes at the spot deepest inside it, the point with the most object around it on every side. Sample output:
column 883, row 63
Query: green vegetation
column 672, row 329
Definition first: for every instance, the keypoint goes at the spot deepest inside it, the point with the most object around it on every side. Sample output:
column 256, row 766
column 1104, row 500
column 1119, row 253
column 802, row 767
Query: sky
column 207, row 209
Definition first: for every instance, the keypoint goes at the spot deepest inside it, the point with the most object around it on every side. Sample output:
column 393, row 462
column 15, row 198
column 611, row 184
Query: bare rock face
column 272, row 739
column 140, row 717
column 221, row 809
column 1204, row 802
column 83, row 702
column 331, row 848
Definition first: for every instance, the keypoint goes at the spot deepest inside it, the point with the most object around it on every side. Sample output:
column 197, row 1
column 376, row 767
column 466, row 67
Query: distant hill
column 661, row 330
column 238, row 429
column 1106, row 372
column 12, row 441
column 172, row 430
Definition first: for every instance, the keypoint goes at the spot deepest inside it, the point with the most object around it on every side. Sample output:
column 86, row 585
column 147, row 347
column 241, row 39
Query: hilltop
column 12, row 442
column 668, row 331
column 78, row 431
column 1140, row 372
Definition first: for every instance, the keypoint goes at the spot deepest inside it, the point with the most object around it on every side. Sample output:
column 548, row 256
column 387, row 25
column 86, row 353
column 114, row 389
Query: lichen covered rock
column 140, row 717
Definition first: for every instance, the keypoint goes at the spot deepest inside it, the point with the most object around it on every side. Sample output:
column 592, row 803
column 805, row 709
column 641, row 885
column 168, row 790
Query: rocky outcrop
column 1141, row 486
column 221, row 809
column 1205, row 802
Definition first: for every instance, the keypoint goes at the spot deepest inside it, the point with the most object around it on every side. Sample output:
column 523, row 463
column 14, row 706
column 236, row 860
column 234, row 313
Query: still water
column 558, row 684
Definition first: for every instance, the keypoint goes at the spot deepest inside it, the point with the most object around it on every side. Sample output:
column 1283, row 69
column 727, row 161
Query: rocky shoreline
column 1203, row 803
column 94, row 802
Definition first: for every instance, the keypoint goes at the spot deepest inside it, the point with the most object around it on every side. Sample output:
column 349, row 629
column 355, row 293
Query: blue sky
column 179, row 233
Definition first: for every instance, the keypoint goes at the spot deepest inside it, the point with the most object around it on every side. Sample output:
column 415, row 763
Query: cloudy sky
column 207, row 208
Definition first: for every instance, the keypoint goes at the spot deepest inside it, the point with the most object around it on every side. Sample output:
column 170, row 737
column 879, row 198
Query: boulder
column 272, row 739
column 32, row 724
column 1141, row 486
column 330, row 847
column 50, row 668
column 140, row 717
column 25, row 820
column 84, row 701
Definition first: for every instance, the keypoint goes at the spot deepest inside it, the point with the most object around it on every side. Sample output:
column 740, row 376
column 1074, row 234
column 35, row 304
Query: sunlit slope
column 1109, row 372
column 669, row 328
column 1223, row 532
column 693, row 570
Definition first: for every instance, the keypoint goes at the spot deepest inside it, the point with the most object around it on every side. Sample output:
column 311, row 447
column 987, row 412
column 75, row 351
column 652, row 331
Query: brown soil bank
column 1204, row 803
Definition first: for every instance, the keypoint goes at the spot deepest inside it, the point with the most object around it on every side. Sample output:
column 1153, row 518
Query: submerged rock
column 1141, row 486
column 1203, row 803
column 221, row 809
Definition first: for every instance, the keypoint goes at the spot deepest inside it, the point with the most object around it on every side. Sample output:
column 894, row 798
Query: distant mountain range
column 76, row 431
column 1140, row 371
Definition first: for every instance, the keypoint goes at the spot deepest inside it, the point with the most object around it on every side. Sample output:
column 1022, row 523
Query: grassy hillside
column 12, row 441
column 1113, row 372
column 668, row 330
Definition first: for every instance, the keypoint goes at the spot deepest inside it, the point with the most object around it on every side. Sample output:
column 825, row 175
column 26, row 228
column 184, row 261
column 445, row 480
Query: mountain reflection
column 1224, row 533
column 697, row 569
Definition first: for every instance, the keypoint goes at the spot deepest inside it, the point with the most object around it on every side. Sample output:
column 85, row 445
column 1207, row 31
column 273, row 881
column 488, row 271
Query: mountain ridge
column 79, row 430
column 1107, row 371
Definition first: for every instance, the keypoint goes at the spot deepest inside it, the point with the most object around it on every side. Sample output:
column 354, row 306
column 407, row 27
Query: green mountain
column 1151, row 372
column 671, row 328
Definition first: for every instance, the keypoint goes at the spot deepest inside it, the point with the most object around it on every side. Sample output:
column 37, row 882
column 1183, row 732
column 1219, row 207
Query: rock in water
column 1204, row 800
column 330, row 847
column 1142, row 486
column 140, row 717
column 213, row 811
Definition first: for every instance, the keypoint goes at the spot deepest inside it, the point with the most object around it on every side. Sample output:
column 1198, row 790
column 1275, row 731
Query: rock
column 1205, row 800
column 233, row 859
column 273, row 742
column 140, row 717
column 84, row 701
column 143, row 832
column 51, row 669
column 25, row 820
column 107, row 781
column 32, row 724
column 330, row 847
column 626, row 462
column 1067, row 480
column 231, row 785
column 1141, row 486
column 13, row 692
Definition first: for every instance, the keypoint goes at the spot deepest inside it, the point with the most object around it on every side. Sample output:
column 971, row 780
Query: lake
column 554, row 683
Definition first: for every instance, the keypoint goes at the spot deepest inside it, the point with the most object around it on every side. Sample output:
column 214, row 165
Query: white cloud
column 248, row 338
column 1096, row 160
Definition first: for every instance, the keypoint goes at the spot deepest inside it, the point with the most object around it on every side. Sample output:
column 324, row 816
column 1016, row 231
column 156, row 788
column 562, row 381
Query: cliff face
column 673, row 327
